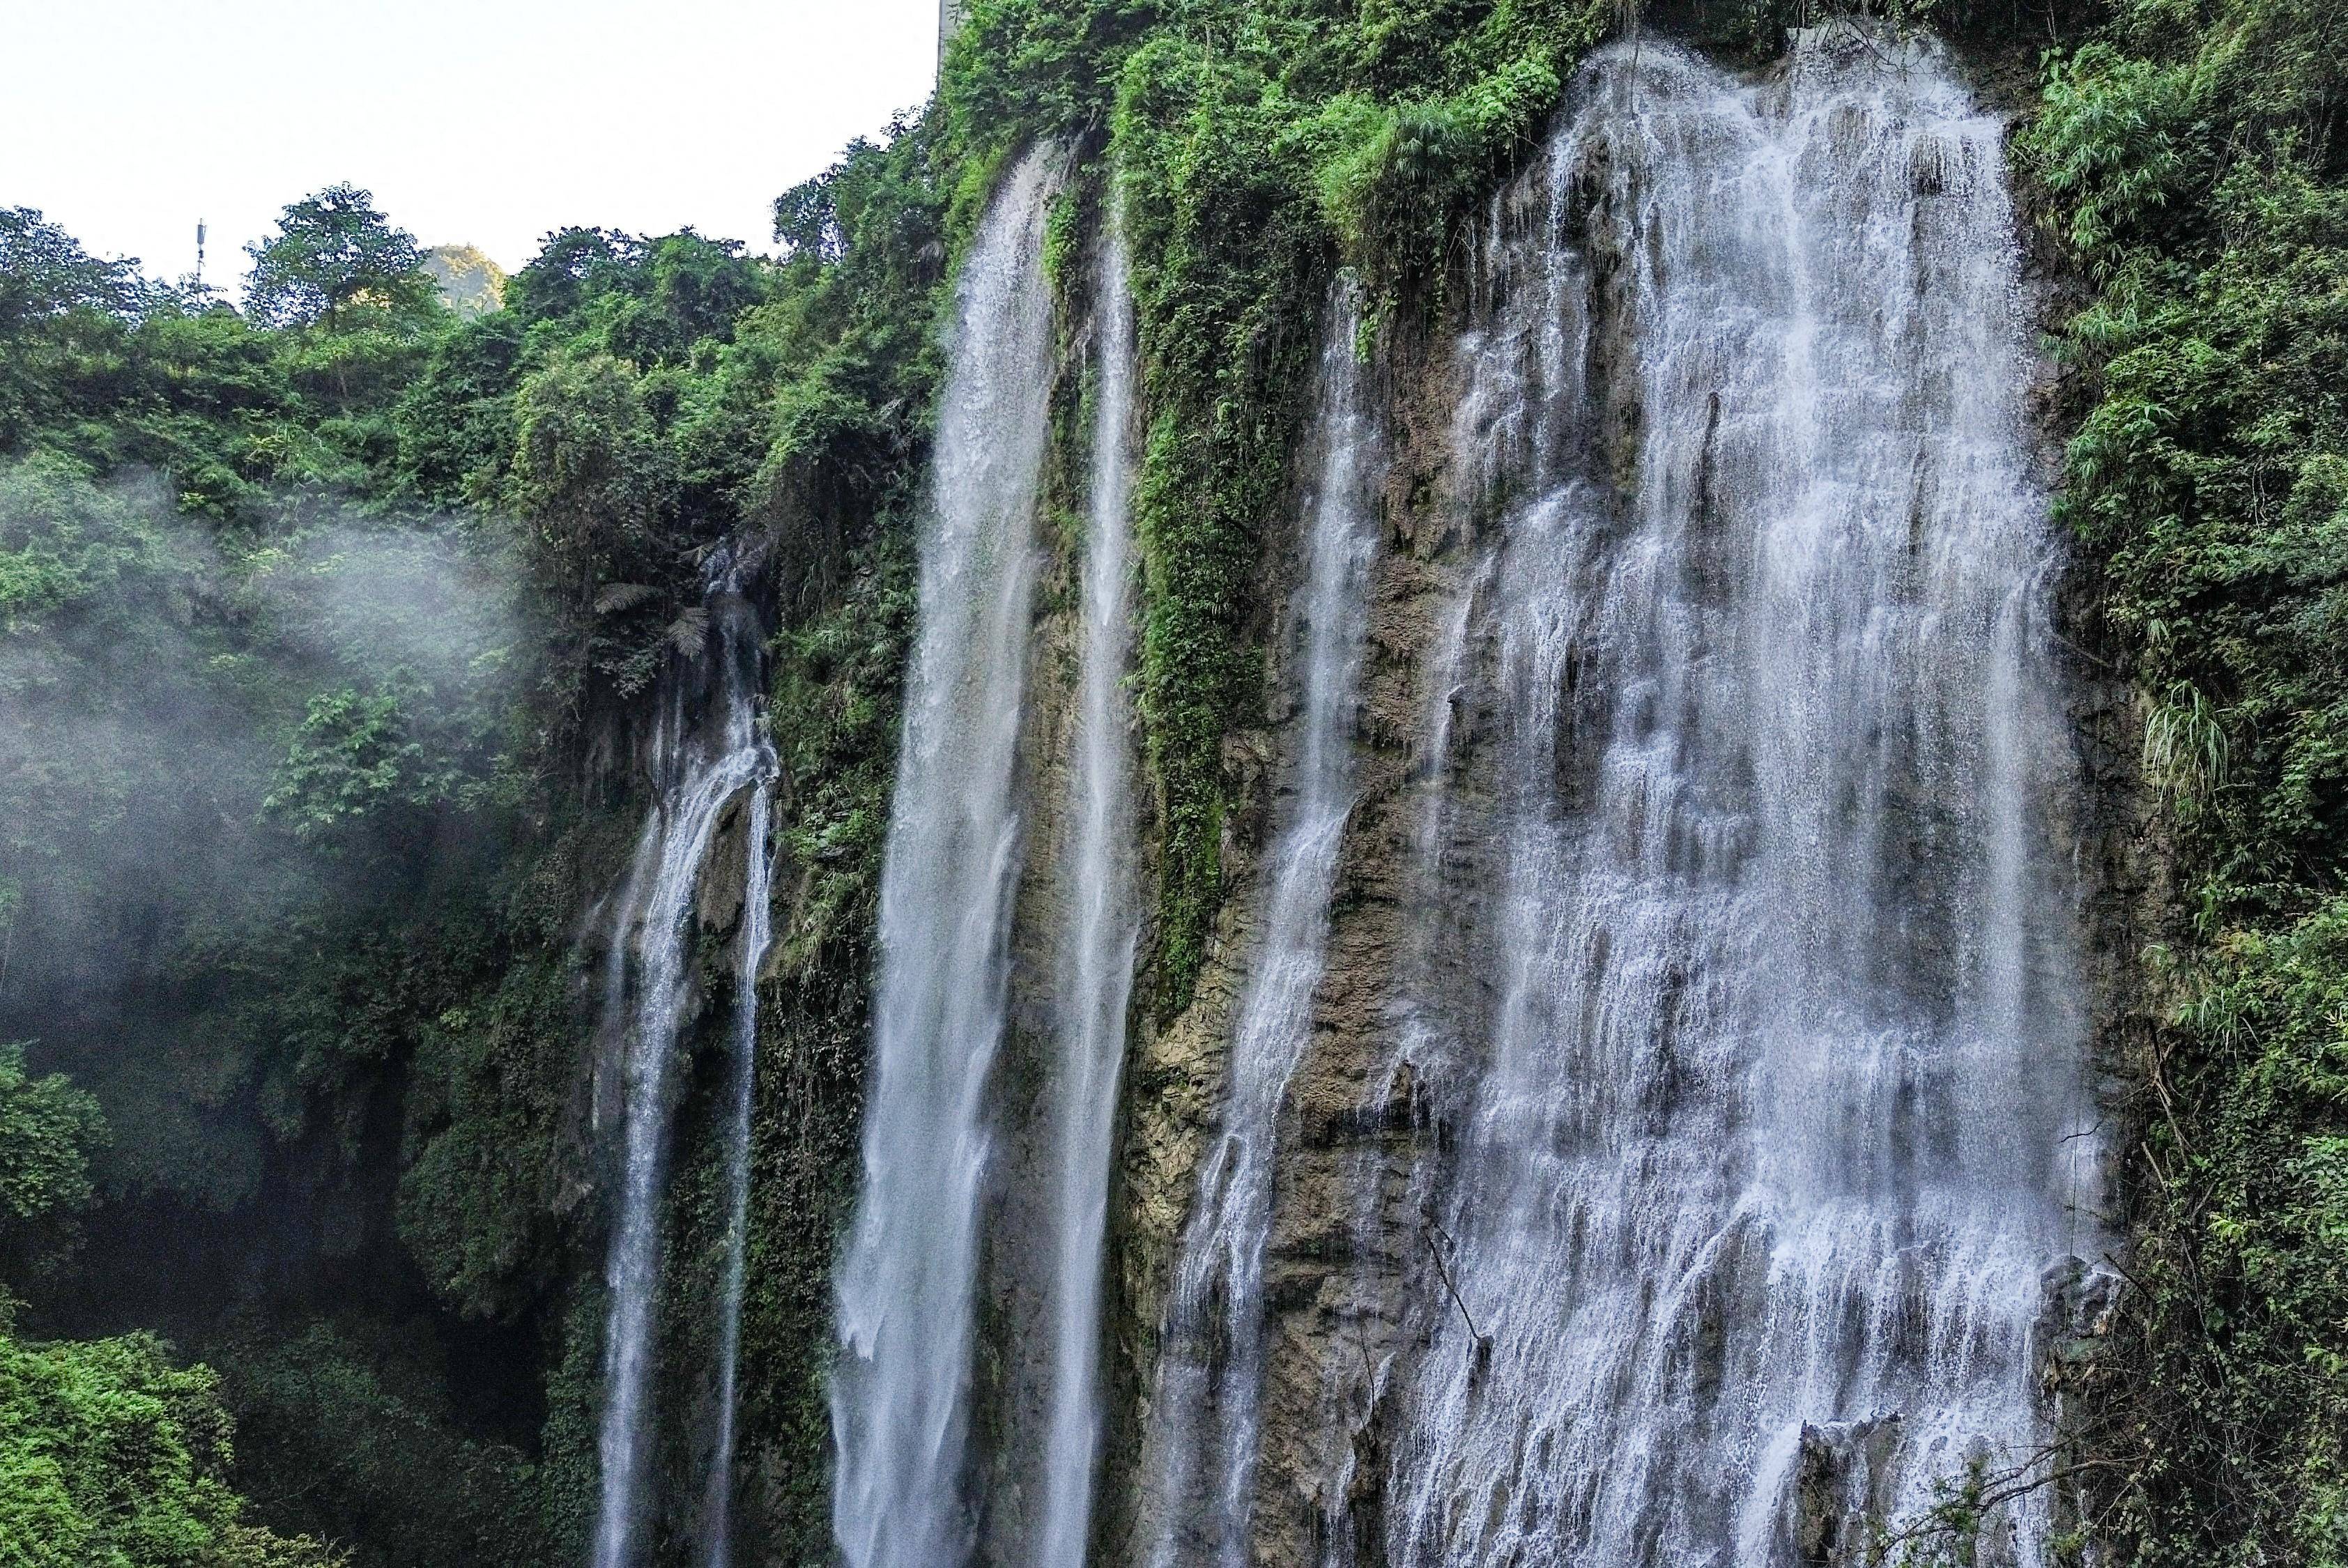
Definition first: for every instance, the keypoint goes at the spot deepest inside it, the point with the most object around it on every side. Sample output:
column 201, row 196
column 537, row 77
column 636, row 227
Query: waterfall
column 900, row 1389
column 1096, row 942
column 757, row 932
column 645, row 1003
column 1210, row 1374
column 1780, row 1108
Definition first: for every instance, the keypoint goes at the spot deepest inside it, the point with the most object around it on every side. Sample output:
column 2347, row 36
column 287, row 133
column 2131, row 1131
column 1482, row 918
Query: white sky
column 487, row 122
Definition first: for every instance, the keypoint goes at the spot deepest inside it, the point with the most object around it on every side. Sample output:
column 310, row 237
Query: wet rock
column 1839, row 1486
column 2078, row 1308
column 723, row 870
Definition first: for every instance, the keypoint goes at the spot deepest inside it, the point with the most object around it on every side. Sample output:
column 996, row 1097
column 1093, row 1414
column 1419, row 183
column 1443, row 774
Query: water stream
column 699, row 768
column 900, row 1388
column 757, row 933
column 1209, row 1406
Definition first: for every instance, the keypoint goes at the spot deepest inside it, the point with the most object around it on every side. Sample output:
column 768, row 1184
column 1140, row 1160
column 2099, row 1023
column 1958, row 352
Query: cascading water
column 1096, row 945
column 901, row 1389
column 757, row 933
column 1779, row 1110
column 1209, row 1403
column 698, row 775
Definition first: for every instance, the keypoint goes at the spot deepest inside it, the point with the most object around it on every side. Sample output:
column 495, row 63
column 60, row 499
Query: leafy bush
column 387, row 1466
column 47, row 1129
column 109, row 1454
column 2192, row 159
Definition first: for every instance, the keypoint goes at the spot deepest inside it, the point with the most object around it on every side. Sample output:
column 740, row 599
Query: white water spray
column 1096, row 944
column 1209, row 1396
column 1776, row 1119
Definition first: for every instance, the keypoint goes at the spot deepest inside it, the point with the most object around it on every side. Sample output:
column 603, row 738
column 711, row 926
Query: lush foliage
column 2195, row 161
column 324, row 631
column 109, row 1454
column 47, row 1128
column 333, row 255
column 383, row 1463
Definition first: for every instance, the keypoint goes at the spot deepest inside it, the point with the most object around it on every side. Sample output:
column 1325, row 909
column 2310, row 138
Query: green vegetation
column 2194, row 160
column 47, row 1128
column 367, row 1428
column 319, row 625
column 324, row 628
column 109, row 1454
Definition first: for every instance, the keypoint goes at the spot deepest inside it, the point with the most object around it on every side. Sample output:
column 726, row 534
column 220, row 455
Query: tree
column 44, row 272
column 694, row 289
column 590, row 470
column 645, row 300
column 572, row 267
column 335, row 255
column 62, row 311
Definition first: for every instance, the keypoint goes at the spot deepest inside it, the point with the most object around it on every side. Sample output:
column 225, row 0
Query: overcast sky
column 488, row 122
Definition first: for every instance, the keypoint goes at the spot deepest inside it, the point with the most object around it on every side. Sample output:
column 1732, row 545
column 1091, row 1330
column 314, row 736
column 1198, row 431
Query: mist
column 209, row 740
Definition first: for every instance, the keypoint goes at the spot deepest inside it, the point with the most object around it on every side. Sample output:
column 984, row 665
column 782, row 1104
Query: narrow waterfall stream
column 1101, row 925
column 1779, row 1110
column 758, row 934
column 1210, row 1394
column 647, row 984
column 901, row 1389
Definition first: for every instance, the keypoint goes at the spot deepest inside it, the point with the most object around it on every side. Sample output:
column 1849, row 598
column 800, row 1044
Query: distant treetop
column 471, row 283
column 335, row 255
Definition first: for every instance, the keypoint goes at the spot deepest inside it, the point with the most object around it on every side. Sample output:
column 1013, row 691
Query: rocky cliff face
column 1359, row 1281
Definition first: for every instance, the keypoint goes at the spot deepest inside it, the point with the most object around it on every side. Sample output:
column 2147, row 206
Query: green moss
column 836, row 680
column 575, row 1385
column 485, row 1161
column 1063, row 238
column 1228, row 267
column 804, row 1157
